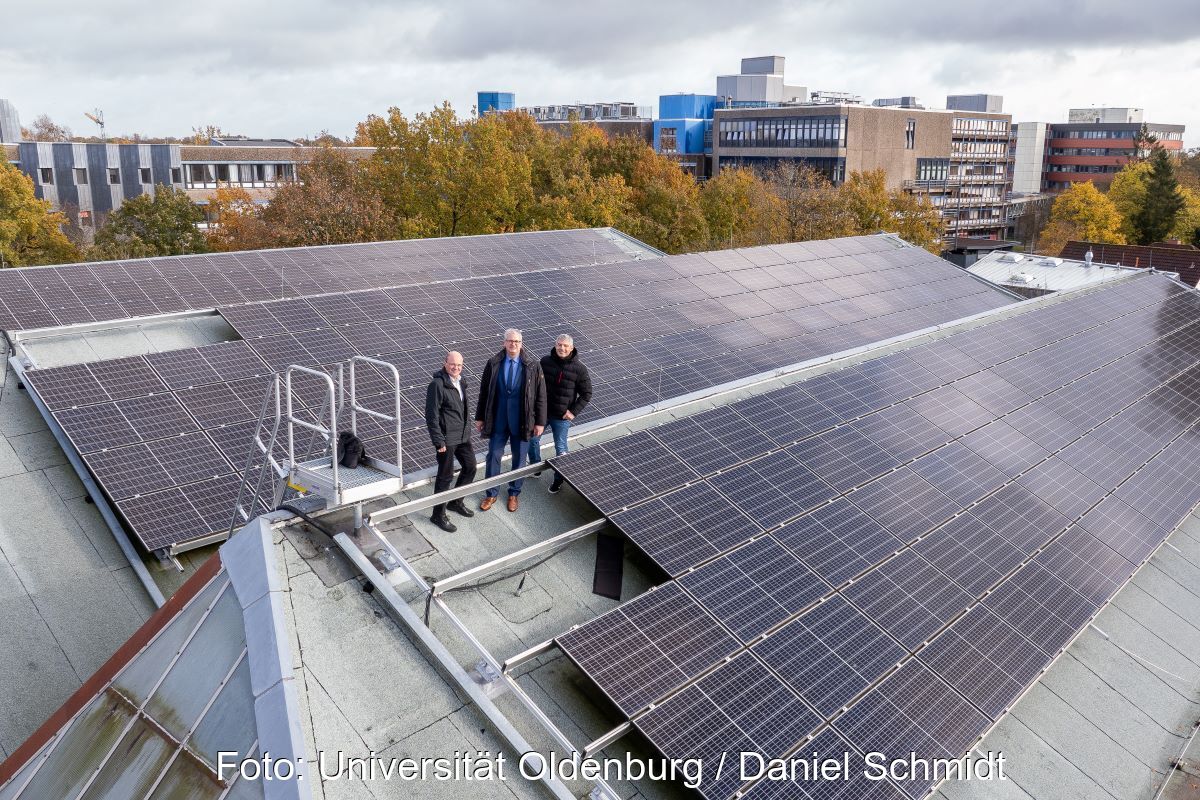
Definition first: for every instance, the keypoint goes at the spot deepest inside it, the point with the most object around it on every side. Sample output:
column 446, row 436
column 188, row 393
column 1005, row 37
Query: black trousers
column 464, row 454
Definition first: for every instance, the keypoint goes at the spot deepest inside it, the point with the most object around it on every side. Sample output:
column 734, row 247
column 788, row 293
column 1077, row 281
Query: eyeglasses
column 512, row 341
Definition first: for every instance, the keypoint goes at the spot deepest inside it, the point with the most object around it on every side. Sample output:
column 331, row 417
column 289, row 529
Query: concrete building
column 759, row 84
column 10, row 122
column 958, row 159
column 1029, row 150
column 1105, row 114
column 979, row 103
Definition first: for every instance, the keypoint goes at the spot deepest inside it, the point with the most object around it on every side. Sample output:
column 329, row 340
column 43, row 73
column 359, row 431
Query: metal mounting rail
column 405, row 616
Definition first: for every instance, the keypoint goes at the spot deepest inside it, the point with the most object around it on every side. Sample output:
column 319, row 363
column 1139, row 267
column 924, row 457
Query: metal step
column 358, row 485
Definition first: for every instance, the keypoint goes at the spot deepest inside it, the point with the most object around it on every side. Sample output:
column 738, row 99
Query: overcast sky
column 294, row 69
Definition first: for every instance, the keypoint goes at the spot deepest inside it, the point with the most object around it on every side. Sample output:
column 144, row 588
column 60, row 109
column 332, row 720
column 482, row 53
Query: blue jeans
column 559, row 428
column 496, row 445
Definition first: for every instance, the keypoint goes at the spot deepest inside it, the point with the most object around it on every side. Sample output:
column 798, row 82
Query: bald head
column 453, row 363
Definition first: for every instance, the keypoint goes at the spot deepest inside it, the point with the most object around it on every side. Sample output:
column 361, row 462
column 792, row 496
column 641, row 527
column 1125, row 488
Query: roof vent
column 1011, row 258
column 1088, row 256
column 1021, row 277
column 1050, row 262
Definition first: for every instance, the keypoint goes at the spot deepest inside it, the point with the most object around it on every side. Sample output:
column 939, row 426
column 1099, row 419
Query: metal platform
column 346, row 486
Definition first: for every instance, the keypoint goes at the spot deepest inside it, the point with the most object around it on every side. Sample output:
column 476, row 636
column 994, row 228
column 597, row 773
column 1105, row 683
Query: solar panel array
column 46, row 297
column 647, row 331
column 893, row 552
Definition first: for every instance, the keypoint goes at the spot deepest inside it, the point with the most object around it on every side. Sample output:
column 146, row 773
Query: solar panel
column 54, row 296
column 956, row 544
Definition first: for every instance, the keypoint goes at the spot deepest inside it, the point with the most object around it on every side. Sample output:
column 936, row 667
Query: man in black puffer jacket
column 568, row 390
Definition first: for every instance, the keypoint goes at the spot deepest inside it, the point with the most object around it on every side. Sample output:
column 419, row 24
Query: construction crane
column 97, row 117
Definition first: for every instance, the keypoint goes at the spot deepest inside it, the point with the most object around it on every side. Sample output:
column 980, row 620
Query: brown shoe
column 487, row 503
column 512, row 502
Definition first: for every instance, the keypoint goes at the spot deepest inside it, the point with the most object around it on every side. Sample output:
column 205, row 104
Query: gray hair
column 565, row 337
column 508, row 333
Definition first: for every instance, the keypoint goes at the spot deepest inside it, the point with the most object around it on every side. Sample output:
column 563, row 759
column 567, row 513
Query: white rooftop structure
column 1033, row 275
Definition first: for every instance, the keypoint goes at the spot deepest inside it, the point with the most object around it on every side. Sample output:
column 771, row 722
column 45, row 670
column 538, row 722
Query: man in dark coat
column 511, row 409
column 568, row 390
column 448, row 420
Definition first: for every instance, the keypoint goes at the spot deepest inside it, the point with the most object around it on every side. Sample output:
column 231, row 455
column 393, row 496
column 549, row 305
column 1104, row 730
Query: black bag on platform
column 350, row 450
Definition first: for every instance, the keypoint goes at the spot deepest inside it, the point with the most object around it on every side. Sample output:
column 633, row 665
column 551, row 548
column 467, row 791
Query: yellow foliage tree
column 1081, row 212
column 237, row 221
column 30, row 233
column 740, row 209
column 1128, row 193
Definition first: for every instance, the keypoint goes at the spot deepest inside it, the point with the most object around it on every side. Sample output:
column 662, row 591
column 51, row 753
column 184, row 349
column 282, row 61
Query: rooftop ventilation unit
column 1011, row 258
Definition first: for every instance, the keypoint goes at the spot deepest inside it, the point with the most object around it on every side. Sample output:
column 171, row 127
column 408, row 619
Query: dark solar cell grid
column 754, row 588
column 904, row 503
column 901, row 432
column 639, row 651
column 908, row 598
column 1084, row 563
column 1062, row 487
column 837, row 541
column 1041, row 607
column 1020, row 517
column 1123, row 529
column 843, row 458
column 985, row 659
column 689, row 439
column 970, row 553
column 958, row 473
column 742, row 701
column 830, row 654
column 772, row 489
column 913, row 712
column 950, row 410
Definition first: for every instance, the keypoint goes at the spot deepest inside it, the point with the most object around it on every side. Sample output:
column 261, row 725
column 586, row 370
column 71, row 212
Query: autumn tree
column 665, row 206
column 44, row 129
column 874, row 208
column 159, row 224
column 236, row 221
column 1161, row 206
column 809, row 205
column 1144, row 144
column 1188, row 169
column 1082, row 213
column 740, row 210
column 1127, row 193
column 333, row 202
column 30, row 234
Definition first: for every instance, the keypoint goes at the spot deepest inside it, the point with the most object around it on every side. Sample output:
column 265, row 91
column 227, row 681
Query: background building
column 981, row 103
column 10, row 122
column 960, row 160
column 684, row 130
column 759, row 84
column 495, row 101
column 1096, row 143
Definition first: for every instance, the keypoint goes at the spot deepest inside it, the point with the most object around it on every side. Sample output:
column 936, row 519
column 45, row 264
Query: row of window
column 1123, row 133
column 46, row 176
column 834, row 169
column 1090, row 151
column 933, row 169
column 783, row 132
column 979, row 125
column 202, row 174
column 1089, row 168
column 998, row 149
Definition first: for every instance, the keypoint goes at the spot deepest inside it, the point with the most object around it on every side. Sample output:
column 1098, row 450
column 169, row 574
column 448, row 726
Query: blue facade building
column 495, row 101
column 684, row 125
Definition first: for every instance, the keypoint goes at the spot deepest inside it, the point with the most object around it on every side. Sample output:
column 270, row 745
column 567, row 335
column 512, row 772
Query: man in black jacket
column 511, row 409
column 568, row 390
column 447, row 418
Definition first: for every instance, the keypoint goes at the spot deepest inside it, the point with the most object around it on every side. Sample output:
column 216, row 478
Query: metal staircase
column 313, row 472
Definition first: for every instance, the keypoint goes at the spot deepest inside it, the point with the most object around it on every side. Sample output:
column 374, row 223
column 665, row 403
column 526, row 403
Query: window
column 933, row 169
column 910, row 135
column 668, row 140
column 47, row 175
column 114, row 175
column 81, row 176
column 146, row 175
column 783, row 132
column 176, row 175
column 223, row 172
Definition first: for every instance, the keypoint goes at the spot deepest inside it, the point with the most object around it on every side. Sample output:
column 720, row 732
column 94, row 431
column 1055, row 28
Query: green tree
column 1128, row 194
column 740, row 210
column 1081, row 212
column 162, row 224
column 1187, row 224
column 1144, row 144
column 1163, row 202
column 30, row 234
